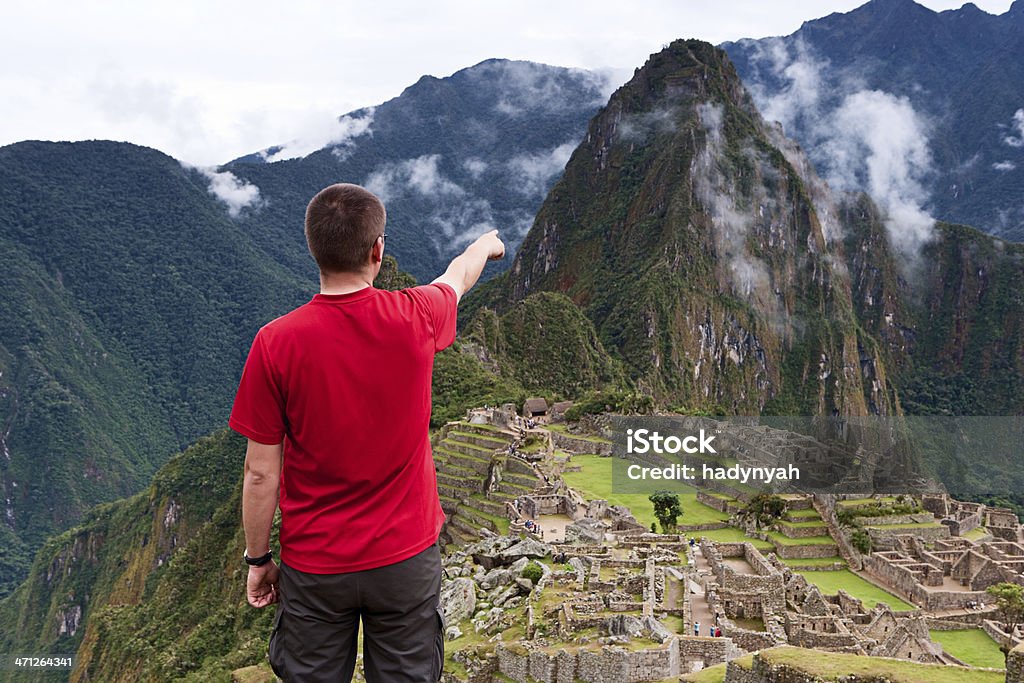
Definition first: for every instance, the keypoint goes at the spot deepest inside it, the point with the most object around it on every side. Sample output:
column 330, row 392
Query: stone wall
column 607, row 665
column 915, row 518
column 1015, row 665
column 885, row 537
column 573, row 444
column 533, row 506
column 804, row 552
column 720, row 504
column 710, row 651
column 1001, row 517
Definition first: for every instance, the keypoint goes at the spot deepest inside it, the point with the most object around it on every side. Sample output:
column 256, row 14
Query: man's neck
column 344, row 283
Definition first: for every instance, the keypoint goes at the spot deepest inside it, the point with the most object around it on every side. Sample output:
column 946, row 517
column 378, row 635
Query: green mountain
column 701, row 252
column 895, row 75
column 128, row 298
column 451, row 157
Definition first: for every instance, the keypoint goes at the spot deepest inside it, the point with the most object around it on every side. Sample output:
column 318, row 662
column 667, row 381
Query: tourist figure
column 696, row 628
column 335, row 401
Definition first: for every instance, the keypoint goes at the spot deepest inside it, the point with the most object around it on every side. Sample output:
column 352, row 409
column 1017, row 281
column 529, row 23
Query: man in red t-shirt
column 335, row 402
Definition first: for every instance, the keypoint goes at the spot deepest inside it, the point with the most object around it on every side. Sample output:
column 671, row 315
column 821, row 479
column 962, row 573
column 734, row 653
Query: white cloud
column 1018, row 124
column 881, row 144
column 748, row 274
column 866, row 140
column 226, row 187
column 533, row 172
column 320, row 131
column 1004, row 166
column 420, row 175
column 475, row 167
column 528, row 87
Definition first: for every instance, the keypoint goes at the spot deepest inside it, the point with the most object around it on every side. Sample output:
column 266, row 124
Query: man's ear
column 377, row 251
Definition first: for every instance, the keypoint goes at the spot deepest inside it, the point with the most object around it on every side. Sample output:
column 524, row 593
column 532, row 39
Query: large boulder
column 526, row 548
column 458, row 599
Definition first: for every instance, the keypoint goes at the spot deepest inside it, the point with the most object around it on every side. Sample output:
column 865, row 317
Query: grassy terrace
column 806, row 523
column 716, row 673
column 734, row 535
column 811, row 540
column 829, row 666
column 812, row 561
column 594, row 481
column 861, row 502
column 976, row 534
column 971, row 646
column 908, row 525
column 562, row 429
column 812, row 513
column 869, row 593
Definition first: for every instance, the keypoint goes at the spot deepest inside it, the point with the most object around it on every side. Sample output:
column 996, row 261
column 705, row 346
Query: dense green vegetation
column 128, row 299
column 155, row 579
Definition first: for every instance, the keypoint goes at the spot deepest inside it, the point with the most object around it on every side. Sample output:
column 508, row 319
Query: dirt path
column 699, row 610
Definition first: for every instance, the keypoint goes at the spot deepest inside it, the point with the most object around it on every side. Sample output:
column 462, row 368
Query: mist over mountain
column 922, row 109
column 451, row 158
column 128, row 299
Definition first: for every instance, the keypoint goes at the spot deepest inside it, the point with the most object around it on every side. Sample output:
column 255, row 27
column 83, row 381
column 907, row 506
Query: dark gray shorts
column 318, row 615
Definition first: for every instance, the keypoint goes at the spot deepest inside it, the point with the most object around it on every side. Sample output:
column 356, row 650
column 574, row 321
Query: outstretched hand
column 495, row 247
column 261, row 585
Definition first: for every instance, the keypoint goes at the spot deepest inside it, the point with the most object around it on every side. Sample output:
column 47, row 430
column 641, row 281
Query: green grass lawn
column 734, row 535
column 562, row 429
column 804, row 513
column 811, row 540
column 830, row 666
column 976, row 533
column 801, row 524
column 858, row 502
column 972, row 646
column 812, row 561
column 594, row 481
column 908, row 525
column 831, row 582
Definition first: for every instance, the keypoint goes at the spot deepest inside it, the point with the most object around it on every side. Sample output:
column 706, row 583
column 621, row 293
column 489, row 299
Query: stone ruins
column 542, row 584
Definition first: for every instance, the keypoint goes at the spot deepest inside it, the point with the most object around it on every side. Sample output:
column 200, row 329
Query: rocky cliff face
column 706, row 256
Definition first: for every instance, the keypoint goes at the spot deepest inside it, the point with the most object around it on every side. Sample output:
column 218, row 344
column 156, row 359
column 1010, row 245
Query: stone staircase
column 477, row 480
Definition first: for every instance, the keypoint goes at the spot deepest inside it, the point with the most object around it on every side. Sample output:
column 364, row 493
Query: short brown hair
column 342, row 223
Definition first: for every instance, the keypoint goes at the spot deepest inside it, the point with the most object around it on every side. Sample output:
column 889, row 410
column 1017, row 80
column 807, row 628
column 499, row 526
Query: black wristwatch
column 257, row 561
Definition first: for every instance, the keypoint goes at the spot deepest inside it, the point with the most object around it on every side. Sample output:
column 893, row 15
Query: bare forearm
column 467, row 266
column 259, row 503
column 465, row 269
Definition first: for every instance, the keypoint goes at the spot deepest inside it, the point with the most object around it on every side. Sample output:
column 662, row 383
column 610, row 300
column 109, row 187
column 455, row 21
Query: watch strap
column 258, row 561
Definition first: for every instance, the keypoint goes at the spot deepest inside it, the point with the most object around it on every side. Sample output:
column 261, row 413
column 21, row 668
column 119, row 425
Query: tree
column 666, row 509
column 861, row 541
column 533, row 572
column 766, row 508
column 1010, row 599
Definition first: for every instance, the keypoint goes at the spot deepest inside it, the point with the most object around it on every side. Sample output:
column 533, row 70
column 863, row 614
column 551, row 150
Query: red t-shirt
column 345, row 381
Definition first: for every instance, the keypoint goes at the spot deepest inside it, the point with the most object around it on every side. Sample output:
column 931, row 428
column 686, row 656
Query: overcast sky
column 209, row 81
